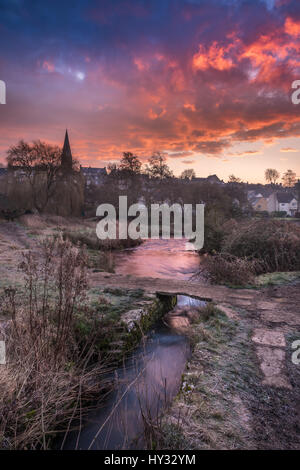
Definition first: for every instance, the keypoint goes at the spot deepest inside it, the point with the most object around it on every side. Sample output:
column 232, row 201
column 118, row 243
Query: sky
column 205, row 82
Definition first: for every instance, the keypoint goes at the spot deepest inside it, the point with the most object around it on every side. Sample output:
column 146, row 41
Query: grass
column 222, row 404
column 278, row 278
column 87, row 236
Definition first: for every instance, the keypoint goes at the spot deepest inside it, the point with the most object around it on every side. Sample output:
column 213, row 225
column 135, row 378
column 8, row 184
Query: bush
column 279, row 214
column 213, row 238
column 227, row 269
column 9, row 210
column 49, row 379
column 262, row 214
column 275, row 244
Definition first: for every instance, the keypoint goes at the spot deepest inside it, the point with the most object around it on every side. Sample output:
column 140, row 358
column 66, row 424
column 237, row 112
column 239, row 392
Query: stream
column 151, row 376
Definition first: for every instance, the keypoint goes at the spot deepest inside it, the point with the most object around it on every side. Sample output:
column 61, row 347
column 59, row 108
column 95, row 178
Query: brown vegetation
column 230, row 269
column 49, row 378
column 253, row 247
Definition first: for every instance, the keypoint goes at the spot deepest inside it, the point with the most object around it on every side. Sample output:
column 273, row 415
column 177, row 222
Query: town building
column 93, row 176
column 268, row 200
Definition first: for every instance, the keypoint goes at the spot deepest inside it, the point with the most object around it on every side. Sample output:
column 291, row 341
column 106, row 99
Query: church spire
column 66, row 156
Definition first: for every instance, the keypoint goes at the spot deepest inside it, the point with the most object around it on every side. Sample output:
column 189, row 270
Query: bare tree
column 234, row 179
column 271, row 175
column 39, row 163
column 289, row 178
column 189, row 173
column 130, row 164
column 158, row 168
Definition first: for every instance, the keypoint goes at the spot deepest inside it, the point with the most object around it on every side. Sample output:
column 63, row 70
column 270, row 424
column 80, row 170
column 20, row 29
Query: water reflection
column 149, row 379
column 164, row 259
column 152, row 375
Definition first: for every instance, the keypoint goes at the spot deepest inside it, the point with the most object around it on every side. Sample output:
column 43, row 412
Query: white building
column 288, row 203
column 273, row 201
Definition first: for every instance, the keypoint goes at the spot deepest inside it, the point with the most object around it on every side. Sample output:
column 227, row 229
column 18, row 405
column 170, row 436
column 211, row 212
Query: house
column 287, row 202
column 268, row 200
column 93, row 176
column 263, row 200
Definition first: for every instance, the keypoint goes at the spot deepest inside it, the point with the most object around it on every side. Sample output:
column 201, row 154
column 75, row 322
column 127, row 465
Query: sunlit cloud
column 289, row 149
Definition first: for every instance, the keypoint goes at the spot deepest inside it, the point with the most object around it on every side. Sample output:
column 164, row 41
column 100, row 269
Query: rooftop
column 285, row 197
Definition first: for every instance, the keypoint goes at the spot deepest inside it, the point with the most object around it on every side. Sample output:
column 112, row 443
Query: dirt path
column 245, row 377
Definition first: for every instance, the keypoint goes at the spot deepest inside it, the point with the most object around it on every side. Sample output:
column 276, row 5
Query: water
column 158, row 258
column 151, row 376
column 149, row 379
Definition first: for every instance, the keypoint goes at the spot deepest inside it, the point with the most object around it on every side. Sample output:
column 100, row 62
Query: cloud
column 245, row 153
column 289, row 149
column 180, row 154
column 292, row 27
column 212, row 147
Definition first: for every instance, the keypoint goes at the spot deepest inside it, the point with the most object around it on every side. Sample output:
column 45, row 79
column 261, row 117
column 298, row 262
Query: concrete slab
column 272, row 366
column 290, row 318
column 269, row 337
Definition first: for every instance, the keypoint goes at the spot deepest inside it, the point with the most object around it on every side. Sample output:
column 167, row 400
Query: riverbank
column 62, row 338
column 240, row 390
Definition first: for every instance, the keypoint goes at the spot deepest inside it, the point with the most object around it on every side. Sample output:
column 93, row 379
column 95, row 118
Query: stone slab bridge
column 217, row 294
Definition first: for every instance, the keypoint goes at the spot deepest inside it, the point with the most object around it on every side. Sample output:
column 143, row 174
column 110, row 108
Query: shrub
column 262, row 214
column 8, row 209
column 213, row 238
column 49, row 380
column 275, row 244
column 224, row 268
column 279, row 214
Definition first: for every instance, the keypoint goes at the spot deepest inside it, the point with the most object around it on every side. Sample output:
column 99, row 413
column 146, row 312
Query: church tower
column 66, row 156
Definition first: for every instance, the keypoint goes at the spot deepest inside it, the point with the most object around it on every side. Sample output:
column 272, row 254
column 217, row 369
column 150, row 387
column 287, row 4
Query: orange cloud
column 288, row 149
column 190, row 106
column 215, row 57
column 292, row 27
column 140, row 64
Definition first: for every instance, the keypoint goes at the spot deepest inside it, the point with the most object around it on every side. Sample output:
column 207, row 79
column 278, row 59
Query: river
column 151, row 376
